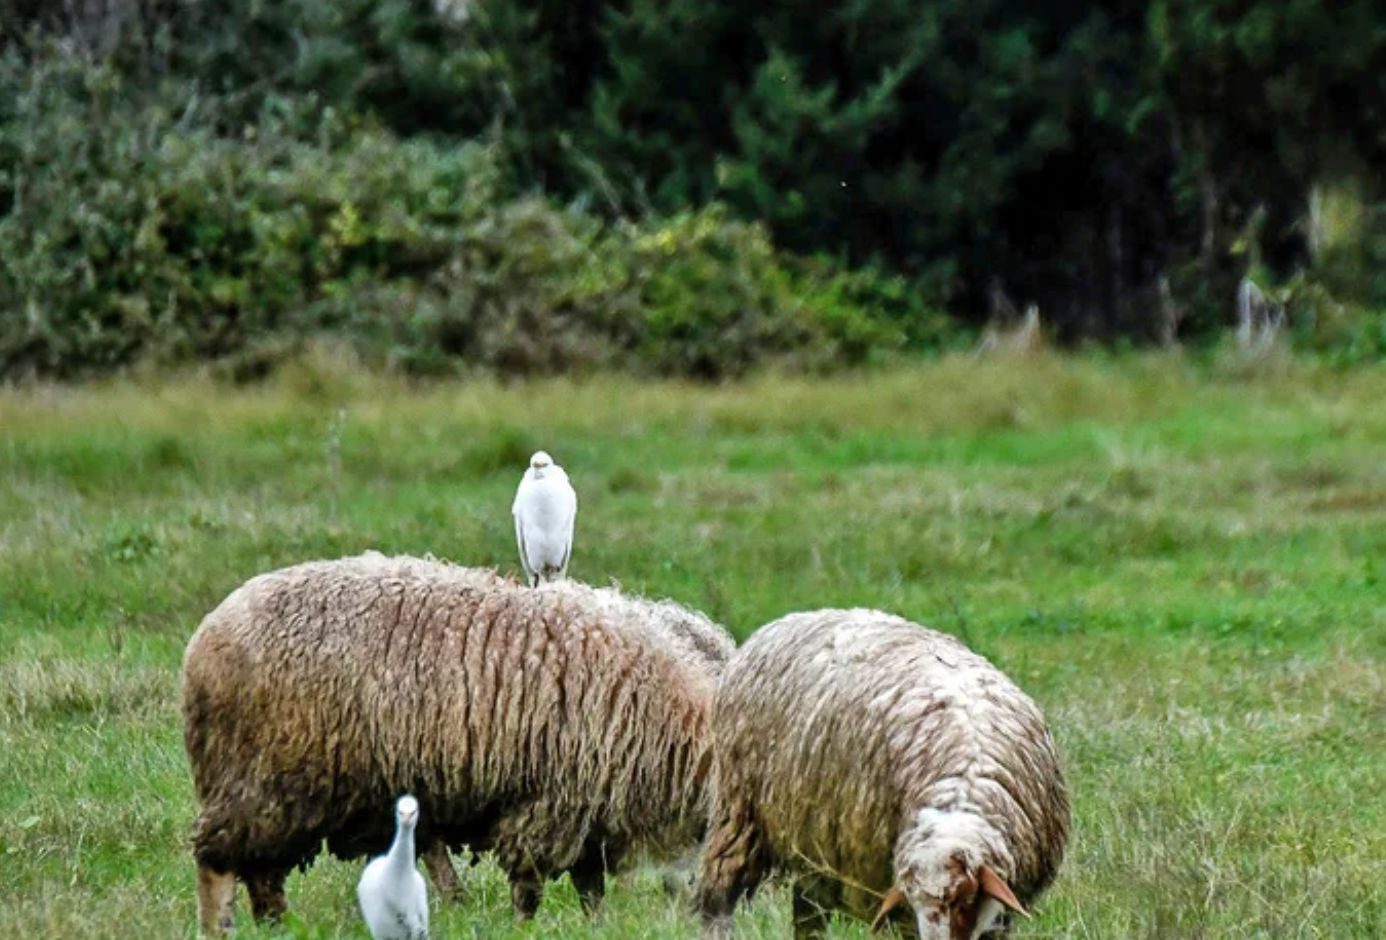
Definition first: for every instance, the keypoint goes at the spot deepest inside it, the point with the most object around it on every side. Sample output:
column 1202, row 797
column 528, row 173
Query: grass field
column 1186, row 567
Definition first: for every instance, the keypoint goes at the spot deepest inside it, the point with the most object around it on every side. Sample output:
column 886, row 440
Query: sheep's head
column 942, row 875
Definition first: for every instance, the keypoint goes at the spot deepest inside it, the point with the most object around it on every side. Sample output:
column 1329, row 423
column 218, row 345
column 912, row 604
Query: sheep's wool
column 853, row 745
column 557, row 727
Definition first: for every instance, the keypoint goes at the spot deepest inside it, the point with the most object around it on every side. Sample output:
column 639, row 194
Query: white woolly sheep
column 879, row 762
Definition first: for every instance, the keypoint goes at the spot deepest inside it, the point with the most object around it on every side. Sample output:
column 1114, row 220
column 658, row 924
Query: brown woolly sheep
column 555, row 728
column 698, row 640
column 873, row 758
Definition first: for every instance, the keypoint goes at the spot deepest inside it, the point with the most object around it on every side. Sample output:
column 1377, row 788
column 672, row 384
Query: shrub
column 1100, row 160
column 159, row 238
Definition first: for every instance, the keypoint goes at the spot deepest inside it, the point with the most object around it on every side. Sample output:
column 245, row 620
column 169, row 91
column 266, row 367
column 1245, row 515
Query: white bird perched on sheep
column 394, row 899
column 544, row 509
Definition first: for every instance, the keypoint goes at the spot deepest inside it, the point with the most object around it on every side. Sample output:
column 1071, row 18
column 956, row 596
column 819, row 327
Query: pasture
column 1184, row 564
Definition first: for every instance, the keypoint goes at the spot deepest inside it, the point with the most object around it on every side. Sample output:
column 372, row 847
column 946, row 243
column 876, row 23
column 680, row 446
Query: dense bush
column 149, row 239
column 468, row 181
column 1071, row 154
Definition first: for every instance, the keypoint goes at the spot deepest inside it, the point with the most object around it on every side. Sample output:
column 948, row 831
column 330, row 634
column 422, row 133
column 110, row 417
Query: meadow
column 1184, row 563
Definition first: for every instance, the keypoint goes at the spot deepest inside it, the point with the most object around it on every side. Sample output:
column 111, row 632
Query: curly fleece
column 543, row 724
column 848, row 740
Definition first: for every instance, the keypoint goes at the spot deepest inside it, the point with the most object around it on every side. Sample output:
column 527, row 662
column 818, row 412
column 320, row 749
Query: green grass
column 1185, row 566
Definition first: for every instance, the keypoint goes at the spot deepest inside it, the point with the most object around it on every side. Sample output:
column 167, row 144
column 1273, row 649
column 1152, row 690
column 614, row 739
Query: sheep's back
column 702, row 642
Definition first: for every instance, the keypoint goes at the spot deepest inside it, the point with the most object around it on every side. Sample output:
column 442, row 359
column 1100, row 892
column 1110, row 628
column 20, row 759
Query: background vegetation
column 1183, row 565
column 1179, row 555
column 683, row 187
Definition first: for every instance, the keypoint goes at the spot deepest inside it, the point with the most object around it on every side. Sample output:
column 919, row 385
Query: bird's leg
column 267, row 900
column 216, row 900
column 444, row 875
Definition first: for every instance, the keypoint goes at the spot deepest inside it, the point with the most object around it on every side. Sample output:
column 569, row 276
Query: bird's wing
column 369, row 878
column 421, row 902
column 567, row 543
column 568, row 496
column 524, row 549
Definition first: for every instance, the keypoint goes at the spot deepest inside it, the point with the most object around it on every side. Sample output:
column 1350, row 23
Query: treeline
column 536, row 185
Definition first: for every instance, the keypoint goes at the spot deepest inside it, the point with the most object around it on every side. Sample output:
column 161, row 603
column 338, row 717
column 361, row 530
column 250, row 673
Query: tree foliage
column 1107, row 161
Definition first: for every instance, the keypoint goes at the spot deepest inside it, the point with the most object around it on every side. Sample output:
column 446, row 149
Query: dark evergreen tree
column 1086, row 157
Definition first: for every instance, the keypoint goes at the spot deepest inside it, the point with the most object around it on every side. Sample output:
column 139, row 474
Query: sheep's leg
column 267, row 900
column 810, row 908
column 444, row 875
column 216, row 900
column 591, row 887
column 589, row 873
column 531, row 843
column 734, row 864
column 677, row 877
column 526, row 891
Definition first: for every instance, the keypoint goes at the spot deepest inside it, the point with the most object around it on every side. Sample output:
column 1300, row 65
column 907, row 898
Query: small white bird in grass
column 544, row 509
column 394, row 899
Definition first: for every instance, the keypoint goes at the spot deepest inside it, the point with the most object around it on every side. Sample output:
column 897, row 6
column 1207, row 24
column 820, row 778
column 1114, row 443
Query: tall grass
column 1183, row 565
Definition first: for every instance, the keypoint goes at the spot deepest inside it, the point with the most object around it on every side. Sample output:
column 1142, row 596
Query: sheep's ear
column 992, row 884
column 893, row 899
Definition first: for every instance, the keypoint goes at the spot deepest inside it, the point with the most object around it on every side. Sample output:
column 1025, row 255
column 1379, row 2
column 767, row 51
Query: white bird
column 544, row 509
column 394, row 899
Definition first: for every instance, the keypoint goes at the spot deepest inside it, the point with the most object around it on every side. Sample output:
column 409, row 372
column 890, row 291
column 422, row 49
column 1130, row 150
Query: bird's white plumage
column 545, row 508
column 394, row 899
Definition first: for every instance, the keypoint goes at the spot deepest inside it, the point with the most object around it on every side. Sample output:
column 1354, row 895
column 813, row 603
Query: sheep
column 872, row 758
column 701, row 642
column 555, row 728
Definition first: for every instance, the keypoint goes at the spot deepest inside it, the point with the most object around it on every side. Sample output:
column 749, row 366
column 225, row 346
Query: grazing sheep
column 545, row 509
column 391, row 892
column 689, row 633
column 873, row 758
column 703, row 644
column 554, row 728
